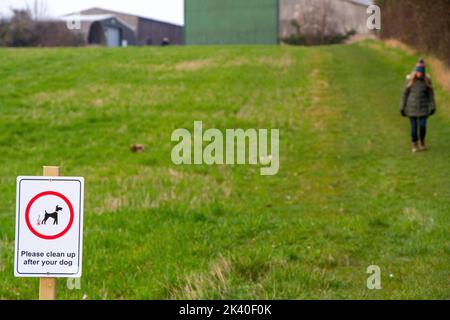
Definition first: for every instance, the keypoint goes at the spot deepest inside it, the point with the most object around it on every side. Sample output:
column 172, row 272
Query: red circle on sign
column 27, row 215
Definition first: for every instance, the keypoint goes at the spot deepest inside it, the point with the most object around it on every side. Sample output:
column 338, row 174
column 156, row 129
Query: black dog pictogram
column 53, row 215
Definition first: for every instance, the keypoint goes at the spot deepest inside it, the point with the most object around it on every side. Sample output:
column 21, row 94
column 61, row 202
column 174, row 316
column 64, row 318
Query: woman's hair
column 413, row 77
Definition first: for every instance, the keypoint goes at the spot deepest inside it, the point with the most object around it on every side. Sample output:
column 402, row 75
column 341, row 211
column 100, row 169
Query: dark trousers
column 422, row 123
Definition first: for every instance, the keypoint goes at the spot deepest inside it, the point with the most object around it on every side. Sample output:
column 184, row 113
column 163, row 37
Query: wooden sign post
column 47, row 286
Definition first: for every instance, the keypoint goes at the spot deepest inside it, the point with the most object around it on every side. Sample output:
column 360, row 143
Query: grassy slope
column 349, row 193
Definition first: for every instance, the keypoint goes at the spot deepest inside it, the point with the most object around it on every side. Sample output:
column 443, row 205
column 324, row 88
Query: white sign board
column 49, row 227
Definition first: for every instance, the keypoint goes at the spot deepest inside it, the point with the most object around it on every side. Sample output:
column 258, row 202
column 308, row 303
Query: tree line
column 422, row 24
column 24, row 29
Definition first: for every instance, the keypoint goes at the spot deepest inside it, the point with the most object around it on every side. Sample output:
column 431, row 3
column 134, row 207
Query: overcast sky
column 166, row 10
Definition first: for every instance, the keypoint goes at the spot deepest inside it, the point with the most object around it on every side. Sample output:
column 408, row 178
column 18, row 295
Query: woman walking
column 418, row 104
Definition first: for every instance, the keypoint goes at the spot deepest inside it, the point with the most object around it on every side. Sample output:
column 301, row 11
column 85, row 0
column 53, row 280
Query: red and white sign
column 49, row 227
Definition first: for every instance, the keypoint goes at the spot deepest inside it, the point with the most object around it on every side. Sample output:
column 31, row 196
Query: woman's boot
column 422, row 145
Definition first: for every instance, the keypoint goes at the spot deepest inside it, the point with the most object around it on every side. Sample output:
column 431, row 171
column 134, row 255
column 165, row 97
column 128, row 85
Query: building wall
column 347, row 16
column 152, row 32
column 231, row 22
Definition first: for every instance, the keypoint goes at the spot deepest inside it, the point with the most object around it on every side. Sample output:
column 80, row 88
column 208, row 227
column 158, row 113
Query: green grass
column 349, row 192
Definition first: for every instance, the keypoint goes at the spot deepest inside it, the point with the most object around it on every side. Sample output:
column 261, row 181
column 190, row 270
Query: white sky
column 165, row 10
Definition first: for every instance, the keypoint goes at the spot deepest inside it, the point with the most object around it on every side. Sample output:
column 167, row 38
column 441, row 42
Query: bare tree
column 21, row 29
column 326, row 19
column 316, row 21
column 38, row 9
column 29, row 27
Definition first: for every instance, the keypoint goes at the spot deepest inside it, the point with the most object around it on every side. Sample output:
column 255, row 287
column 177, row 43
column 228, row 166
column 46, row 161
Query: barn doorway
column 96, row 34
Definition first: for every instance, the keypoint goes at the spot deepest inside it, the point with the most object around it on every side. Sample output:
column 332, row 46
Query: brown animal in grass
column 137, row 148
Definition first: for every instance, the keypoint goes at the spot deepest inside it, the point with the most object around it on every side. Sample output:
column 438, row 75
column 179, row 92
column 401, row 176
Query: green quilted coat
column 418, row 100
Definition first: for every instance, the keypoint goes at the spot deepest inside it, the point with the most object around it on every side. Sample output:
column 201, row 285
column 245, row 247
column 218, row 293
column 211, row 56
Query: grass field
column 349, row 193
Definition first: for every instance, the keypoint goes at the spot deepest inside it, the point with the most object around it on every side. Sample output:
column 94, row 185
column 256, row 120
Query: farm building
column 112, row 29
column 104, row 29
column 269, row 21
